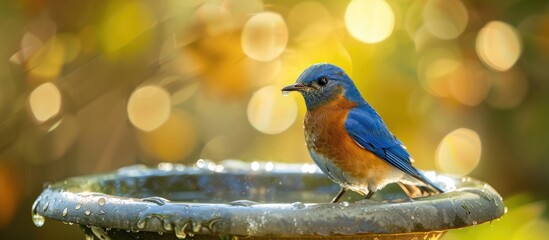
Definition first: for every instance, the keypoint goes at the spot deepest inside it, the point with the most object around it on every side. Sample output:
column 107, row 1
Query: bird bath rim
column 100, row 203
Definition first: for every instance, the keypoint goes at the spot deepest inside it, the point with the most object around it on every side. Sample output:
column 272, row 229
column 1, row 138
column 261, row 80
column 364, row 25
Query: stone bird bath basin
column 236, row 200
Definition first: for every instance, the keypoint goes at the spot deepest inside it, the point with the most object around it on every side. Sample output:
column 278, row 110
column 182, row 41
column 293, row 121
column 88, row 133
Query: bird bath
column 258, row 201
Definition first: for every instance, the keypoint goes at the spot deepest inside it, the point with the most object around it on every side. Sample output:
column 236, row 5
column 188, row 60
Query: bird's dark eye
column 322, row 81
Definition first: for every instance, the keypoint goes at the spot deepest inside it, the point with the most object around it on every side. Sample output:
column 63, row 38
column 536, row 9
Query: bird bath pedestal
column 258, row 201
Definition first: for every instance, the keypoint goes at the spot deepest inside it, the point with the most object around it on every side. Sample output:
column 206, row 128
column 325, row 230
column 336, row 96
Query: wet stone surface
column 177, row 202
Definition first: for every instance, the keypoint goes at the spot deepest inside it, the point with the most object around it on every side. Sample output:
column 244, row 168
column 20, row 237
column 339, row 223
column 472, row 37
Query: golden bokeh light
column 270, row 112
column 498, row 45
column 213, row 19
column 459, row 152
column 149, row 107
column 172, row 141
column 469, row 84
column 45, row 64
column 369, row 21
column 423, row 39
column 309, row 23
column 29, row 45
column 445, row 19
column 435, row 67
column 125, row 21
column 436, row 74
column 413, row 20
column 264, row 36
column 45, row 102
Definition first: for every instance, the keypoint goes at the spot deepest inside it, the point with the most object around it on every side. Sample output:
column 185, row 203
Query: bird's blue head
column 321, row 83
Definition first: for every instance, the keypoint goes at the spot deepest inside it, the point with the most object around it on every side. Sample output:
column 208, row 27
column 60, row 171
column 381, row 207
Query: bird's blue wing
column 368, row 130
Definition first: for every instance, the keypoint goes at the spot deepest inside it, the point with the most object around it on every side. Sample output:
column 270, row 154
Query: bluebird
column 347, row 138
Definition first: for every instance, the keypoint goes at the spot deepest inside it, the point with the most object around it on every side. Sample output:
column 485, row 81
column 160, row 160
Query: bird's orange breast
column 325, row 134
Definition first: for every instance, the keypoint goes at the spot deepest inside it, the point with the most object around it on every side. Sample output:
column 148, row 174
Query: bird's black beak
column 295, row 87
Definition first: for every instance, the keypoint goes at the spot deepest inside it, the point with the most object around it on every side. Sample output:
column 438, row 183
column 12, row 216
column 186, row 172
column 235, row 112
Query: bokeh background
column 90, row 86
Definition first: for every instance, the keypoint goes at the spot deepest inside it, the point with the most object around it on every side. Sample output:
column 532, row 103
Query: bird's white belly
column 361, row 185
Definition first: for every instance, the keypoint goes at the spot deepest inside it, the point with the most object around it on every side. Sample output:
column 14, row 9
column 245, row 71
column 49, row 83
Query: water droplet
column 167, row 225
column 219, row 168
column 298, row 205
column 78, row 206
column 101, row 201
column 200, row 163
column 244, row 203
column 475, row 223
column 157, row 200
column 212, row 223
column 35, row 204
column 180, row 233
column 87, row 212
column 211, row 166
column 269, row 166
column 45, row 207
column 285, row 93
column 255, row 166
column 160, row 233
column 165, row 166
column 345, row 204
column 65, row 211
column 99, row 232
column 141, row 223
column 505, row 210
column 38, row 220
column 412, row 217
column 197, row 226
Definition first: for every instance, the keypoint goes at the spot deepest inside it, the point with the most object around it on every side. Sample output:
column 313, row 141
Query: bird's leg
column 338, row 195
column 414, row 191
column 410, row 190
column 369, row 195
